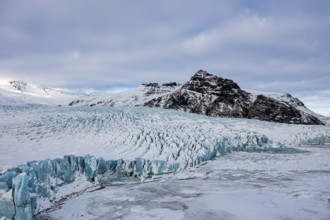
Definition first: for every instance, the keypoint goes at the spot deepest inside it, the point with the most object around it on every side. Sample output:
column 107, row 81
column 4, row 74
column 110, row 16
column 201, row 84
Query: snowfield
column 13, row 92
column 135, row 143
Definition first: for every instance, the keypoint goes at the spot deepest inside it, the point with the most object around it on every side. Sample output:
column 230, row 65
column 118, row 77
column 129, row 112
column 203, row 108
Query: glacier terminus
column 105, row 145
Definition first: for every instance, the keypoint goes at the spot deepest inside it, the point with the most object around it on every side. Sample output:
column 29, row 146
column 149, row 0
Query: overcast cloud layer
column 280, row 46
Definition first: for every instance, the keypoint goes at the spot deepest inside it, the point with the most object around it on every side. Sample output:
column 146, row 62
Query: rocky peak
column 202, row 73
column 205, row 82
column 19, row 85
column 211, row 95
column 157, row 85
column 292, row 100
column 171, row 84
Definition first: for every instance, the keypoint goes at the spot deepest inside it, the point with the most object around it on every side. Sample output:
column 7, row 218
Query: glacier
column 117, row 142
column 285, row 184
column 36, row 185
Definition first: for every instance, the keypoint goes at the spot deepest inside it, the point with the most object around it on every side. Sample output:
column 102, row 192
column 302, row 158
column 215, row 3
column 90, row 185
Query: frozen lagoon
column 240, row 185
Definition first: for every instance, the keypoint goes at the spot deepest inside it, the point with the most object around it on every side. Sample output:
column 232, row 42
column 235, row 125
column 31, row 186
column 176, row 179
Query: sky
column 270, row 45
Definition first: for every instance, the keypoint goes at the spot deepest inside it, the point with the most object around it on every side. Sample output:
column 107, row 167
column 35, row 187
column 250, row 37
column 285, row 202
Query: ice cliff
column 33, row 187
column 134, row 142
column 36, row 186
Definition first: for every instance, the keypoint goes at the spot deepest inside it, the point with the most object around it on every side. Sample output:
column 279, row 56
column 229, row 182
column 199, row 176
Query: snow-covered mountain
column 214, row 96
column 134, row 97
column 15, row 92
column 204, row 94
column 211, row 95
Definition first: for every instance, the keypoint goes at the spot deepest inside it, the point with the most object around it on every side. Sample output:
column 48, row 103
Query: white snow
column 274, row 95
column 256, row 184
column 133, row 97
column 18, row 92
column 31, row 133
column 286, row 98
column 240, row 185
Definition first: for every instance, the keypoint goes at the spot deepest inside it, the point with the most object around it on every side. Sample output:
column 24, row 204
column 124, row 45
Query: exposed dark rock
column 75, row 102
column 269, row 109
column 159, row 89
column 211, row 95
column 156, row 85
column 170, row 84
column 214, row 96
column 207, row 94
column 19, row 85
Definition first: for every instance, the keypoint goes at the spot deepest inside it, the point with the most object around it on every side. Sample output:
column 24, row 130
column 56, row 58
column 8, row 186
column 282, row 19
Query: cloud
column 318, row 101
column 245, row 29
column 268, row 45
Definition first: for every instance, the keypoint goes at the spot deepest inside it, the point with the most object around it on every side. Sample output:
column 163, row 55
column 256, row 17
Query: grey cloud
column 269, row 45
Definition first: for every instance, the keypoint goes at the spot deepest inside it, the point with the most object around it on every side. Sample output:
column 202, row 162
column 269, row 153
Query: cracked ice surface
column 31, row 133
column 167, row 141
column 241, row 185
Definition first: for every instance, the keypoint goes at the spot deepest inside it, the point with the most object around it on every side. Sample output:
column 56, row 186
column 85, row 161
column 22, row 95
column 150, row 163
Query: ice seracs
column 31, row 188
column 126, row 142
column 21, row 195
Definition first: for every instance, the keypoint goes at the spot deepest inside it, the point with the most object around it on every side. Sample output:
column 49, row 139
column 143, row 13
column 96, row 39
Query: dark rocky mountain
column 210, row 95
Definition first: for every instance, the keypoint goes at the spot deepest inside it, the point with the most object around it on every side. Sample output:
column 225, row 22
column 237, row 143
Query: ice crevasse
column 35, row 186
column 28, row 189
column 152, row 142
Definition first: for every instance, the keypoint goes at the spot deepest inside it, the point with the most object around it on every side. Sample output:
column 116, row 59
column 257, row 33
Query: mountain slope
column 204, row 93
column 214, row 96
column 210, row 95
column 134, row 97
column 16, row 92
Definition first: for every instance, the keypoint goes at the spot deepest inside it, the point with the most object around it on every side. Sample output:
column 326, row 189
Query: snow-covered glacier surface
column 130, row 142
column 240, row 185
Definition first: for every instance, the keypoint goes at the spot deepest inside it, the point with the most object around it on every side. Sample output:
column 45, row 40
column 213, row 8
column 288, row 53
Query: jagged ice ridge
column 127, row 142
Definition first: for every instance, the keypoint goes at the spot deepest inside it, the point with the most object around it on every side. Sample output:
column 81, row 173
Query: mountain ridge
column 211, row 95
column 208, row 94
column 17, row 92
column 204, row 93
